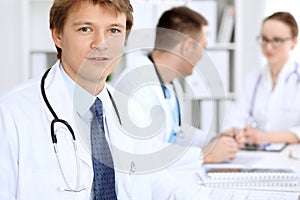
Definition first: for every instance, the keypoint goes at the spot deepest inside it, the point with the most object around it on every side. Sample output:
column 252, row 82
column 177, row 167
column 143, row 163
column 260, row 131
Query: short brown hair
column 178, row 19
column 60, row 10
column 287, row 19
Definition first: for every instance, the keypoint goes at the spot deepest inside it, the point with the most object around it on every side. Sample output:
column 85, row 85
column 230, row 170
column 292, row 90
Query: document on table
column 237, row 194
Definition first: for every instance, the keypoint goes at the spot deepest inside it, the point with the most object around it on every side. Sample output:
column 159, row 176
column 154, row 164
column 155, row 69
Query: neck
column 93, row 88
column 166, row 66
column 275, row 69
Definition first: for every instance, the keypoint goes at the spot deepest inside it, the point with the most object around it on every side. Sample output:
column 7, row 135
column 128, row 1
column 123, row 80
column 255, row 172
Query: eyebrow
column 90, row 23
column 118, row 24
column 81, row 23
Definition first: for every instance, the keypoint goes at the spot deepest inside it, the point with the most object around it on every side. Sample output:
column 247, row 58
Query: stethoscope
column 166, row 94
column 251, row 120
column 57, row 120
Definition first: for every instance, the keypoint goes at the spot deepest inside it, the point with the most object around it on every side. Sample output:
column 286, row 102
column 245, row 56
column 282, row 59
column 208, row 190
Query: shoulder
column 128, row 108
column 19, row 105
column 137, row 64
column 137, row 59
column 253, row 75
column 23, row 93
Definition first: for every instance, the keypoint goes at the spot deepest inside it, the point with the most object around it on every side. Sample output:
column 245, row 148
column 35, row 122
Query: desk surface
column 262, row 159
column 259, row 159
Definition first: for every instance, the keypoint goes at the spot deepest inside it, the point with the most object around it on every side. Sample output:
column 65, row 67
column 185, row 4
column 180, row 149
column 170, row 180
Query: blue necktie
column 104, row 175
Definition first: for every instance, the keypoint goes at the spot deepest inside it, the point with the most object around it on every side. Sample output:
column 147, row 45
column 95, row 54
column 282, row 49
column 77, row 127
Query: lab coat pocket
column 133, row 186
column 44, row 184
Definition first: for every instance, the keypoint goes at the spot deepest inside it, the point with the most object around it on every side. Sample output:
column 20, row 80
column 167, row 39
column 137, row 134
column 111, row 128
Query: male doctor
column 152, row 78
column 54, row 129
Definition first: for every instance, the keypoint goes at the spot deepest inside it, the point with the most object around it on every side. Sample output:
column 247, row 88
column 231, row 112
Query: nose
column 99, row 42
column 268, row 45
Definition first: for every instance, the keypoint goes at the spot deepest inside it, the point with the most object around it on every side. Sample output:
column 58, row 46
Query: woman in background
column 269, row 109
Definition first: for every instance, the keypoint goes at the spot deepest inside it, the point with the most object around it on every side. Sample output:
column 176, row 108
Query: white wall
column 40, row 37
column 14, row 60
column 248, row 21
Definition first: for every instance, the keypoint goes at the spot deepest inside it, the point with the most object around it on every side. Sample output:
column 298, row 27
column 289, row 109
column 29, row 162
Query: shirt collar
column 82, row 99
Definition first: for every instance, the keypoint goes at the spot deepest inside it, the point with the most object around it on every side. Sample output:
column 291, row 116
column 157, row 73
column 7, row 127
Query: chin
column 187, row 73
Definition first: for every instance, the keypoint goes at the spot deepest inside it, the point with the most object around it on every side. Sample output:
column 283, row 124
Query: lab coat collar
column 58, row 95
column 286, row 69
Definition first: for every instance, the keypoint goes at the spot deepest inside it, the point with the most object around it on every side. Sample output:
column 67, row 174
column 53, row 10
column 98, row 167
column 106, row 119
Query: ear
column 295, row 41
column 56, row 37
column 187, row 46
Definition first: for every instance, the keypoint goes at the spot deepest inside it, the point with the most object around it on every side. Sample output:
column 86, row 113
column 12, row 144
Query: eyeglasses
column 275, row 42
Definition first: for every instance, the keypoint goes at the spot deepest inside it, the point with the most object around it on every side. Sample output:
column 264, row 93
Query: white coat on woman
column 274, row 109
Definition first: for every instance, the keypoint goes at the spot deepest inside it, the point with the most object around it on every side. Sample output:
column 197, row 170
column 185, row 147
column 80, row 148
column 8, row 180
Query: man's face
column 92, row 43
column 195, row 52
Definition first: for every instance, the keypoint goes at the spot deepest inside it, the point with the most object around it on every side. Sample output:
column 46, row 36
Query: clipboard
column 272, row 147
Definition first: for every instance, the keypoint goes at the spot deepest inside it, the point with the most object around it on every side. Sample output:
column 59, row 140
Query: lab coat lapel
column 286, row 70
column 62, row 104
column 180, row 95
column 57, row 95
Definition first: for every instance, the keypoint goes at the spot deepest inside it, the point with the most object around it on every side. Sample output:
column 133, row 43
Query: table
column 287, row 158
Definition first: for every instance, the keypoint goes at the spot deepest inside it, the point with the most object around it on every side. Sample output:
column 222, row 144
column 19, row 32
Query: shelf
column 222, row 46
column 227, row 96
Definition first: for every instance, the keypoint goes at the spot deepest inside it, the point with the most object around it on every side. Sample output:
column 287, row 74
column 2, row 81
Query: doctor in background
column 152, row 80
column 59, row 133
column 268, row 110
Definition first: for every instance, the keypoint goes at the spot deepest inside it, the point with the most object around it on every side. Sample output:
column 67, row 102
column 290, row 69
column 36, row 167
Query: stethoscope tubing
column 58, row 120
column 163, row 91
column 64, row 122
column 253, row 99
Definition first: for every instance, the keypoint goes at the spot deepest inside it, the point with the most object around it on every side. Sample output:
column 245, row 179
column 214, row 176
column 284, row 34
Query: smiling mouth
column 99, row 59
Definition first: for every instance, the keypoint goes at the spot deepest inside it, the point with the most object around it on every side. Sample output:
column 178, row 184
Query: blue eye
column 114, row 30
column 84, row 29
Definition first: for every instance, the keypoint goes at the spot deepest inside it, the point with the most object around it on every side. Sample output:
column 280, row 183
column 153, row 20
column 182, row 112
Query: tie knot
column 97, row 110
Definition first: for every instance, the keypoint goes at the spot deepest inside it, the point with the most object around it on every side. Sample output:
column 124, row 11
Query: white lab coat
column 28, row 166
column 275, row 109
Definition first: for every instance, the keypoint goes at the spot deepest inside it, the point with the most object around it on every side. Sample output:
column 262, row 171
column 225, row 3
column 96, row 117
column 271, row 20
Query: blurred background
column 27, row 49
